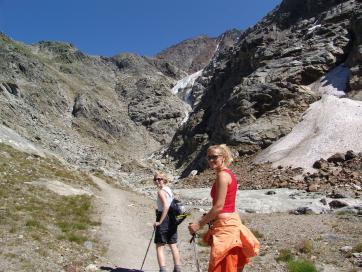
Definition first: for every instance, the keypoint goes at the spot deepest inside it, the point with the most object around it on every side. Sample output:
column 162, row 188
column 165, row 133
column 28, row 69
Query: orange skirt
column 224, row 237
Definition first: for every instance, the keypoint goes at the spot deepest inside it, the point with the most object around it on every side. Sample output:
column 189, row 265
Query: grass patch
column 301, row 266
column 42, row 217
column 358, row 248
column 306, row 247
column 33, row 224
column 79, row 239
column 257, row 233
column 36, row 236
column 285, row 255
column 12, row 229
column 73, row 217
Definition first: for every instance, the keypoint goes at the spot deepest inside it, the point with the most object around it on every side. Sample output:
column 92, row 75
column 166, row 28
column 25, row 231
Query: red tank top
column 229, row 205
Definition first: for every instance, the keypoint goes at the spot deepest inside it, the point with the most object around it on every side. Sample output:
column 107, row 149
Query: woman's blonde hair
column 162, row 175
column 225, row 151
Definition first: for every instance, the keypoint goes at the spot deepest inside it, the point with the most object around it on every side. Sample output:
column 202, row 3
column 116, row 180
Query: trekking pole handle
column 193, row 238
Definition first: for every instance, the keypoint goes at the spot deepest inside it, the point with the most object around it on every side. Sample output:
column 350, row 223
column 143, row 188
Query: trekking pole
column 193, row 242
column 144, row 259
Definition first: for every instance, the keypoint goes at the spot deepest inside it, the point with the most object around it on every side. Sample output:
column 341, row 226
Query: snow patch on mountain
column 330, row 125
column 184, row 86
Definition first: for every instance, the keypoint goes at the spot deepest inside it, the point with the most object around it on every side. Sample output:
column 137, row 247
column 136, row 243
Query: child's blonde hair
column 162, row 175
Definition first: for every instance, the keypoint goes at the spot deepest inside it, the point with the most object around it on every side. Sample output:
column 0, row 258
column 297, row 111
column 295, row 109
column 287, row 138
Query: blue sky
column 109, row 27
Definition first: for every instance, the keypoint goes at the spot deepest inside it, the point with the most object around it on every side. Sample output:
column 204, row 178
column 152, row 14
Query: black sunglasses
column 158, row 179
column 212, row 157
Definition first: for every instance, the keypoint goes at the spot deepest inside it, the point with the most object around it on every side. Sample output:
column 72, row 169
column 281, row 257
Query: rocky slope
column 97, row 112
column 93, row 111
column 254, row 93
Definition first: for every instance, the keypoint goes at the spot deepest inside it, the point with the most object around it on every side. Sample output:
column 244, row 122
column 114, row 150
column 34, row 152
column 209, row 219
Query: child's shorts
column 166, row 233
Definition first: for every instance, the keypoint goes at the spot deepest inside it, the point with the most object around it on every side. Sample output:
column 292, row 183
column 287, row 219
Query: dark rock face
column 255, row 92
column 292, row 11
column 355, row 57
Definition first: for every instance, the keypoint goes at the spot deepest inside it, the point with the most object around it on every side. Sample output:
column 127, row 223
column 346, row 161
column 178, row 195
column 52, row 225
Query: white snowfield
column 330, row 125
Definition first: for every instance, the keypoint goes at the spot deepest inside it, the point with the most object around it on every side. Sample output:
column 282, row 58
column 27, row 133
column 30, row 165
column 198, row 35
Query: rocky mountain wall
column 97, row 112
column 93, row 111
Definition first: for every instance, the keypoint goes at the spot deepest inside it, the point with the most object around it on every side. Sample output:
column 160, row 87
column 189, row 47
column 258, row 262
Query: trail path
column 127, row 220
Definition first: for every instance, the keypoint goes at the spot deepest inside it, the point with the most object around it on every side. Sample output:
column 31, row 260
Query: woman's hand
column 193, row 228
column 156, row 224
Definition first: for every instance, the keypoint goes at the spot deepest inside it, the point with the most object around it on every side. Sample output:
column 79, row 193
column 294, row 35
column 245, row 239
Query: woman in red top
column 224, row 236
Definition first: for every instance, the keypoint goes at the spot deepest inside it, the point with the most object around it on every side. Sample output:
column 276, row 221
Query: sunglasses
column 158, row 179
column 212, row 157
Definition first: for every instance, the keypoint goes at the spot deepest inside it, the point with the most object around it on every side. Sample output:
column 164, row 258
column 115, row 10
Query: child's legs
column 160, row 254
column 175, row 254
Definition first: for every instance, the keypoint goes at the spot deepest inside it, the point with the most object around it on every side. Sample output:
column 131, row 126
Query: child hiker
column 166, row 230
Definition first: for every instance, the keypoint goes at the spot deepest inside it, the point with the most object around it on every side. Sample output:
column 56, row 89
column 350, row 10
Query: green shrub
column 285, row 255
column 301, row 266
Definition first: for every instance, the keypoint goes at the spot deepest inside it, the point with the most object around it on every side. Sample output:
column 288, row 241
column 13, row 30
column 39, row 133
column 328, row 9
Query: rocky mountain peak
column 190, row 55
column 59, row 51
